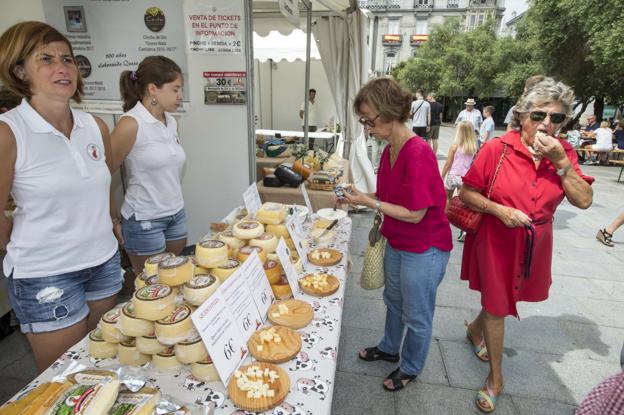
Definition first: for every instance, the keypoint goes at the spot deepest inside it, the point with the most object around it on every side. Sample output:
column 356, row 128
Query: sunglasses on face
column 367, row 122
column 555, row 117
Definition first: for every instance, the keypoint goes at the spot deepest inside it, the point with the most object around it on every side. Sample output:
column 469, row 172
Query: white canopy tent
column 278, row 47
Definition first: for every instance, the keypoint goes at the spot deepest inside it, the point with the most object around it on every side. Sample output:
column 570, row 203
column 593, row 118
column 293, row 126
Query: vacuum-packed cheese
column 94, row 393
column 142, row 402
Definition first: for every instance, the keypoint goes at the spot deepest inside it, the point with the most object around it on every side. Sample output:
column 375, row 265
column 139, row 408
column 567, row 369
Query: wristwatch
column 563, row 171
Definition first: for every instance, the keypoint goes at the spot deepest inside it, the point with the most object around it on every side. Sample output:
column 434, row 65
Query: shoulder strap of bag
column 500, row 162
column 421, row 104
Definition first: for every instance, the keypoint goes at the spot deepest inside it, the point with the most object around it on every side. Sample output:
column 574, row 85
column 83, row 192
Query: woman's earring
column 154, row 102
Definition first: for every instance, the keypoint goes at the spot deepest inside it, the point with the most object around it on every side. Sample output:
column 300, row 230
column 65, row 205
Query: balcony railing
column 376, row 5
column 452, row 4
column 392, row 39
column 423, row 4
column 417, row 40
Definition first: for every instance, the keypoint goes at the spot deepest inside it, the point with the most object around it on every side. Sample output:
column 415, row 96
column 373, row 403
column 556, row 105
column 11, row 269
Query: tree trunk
column 584, row 103
column 599, row 108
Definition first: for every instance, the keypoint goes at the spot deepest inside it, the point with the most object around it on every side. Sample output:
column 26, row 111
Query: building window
column 419, row 4
column 393, row 26
column 481, row 18
column 421, row 27
column 472, row 22
column 452, row 4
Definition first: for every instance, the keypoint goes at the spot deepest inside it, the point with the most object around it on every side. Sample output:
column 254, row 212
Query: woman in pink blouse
column 410, row 195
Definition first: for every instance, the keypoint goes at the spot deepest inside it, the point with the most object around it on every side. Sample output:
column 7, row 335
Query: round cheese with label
column 200, row 288
column 233, row 242
column 224, row 271
column 191, row 350
column 205, row 371
column 266, row 241
column 176, row 327
column 248, row 229
column 166, row 361
column 278, row 230
column 175, row 271
column 129, row 355
column 98, row 348
column 154, row 302
column 149, row 344
column 245, row 251
column 151, row 263
column 211, row 253
column 110, row 328
column 130, row 325
column 139, row 281
column 273, row 271
column 282, row 289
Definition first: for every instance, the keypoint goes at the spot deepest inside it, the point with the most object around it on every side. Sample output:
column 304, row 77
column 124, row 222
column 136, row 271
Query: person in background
column 604, row 142
column 410, row 195
column 487, row 128
column 528, row 84
column 420, row 113
column 592, row 123
column 312, row 111
column 606, row 235
column 62, row 258
column 437, row 110
column 509, row 258
column 618, row 133
column 460, row 156
column 471, row 114
column 146, row 139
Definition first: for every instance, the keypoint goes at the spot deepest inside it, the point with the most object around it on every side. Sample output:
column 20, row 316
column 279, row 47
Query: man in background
column 421, row 115
column 436, row 120
column 311, row 115
column 471, row 114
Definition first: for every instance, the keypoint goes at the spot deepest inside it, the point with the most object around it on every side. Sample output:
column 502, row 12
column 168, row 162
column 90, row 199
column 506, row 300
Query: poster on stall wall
column 217, row 327
column 225, row 88
column 111, row 36
column 214, row 27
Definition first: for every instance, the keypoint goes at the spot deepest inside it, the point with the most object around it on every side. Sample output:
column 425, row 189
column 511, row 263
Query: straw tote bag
column 372, row 276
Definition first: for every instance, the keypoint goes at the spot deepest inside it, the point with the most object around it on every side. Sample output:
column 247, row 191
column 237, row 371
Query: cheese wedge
column 94, row 393
column 176, row 327
column 200, row 288
column 37, row 401
column 131, row 326
column 175, row 271
column 153, row 302
column 211, row 253
column 151, row 263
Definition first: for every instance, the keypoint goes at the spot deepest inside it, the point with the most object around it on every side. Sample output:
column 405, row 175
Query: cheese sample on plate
column 205, row 370
column 154, row 302
column 128, row 354
column 278, row 230
column 110, row 328
column 245, row 251
column 233, row 242
column 151, row 263
column 248, row 229
column 176, row 327
column 191, row 350
column 166, row 361
column 273, row 271
column 175, row 271
column 200, row 288
column 211, row 253
column 149, row 344
column 98, row 348
column 130, row 325
column 142, row 402
column 93, row 393
column 266, row 241
column 271, row 213
column 224, row 271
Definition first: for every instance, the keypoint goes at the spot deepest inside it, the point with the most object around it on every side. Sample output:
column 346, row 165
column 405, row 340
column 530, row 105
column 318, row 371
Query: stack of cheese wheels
column 99, row 348
column 153, row 302
column 175, row 271
column 200, row 288
column 204, row 370
column 271, row 213
column 266, row 241
column 129, row 355
column 247, row 229
column 149, row 344
column 175, row 327
column 211, row 253
column 224, row 271
column 191, row 350
column 110, row 328
column 232, row 241
column 166, row 361
column 246, row 251
column 130, row 325
column 151, row 264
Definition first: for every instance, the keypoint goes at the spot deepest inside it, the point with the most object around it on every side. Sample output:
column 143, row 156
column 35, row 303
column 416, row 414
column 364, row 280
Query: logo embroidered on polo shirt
column 94, row 152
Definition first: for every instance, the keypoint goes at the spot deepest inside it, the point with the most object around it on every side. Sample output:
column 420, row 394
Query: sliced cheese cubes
column 248, row 229
column 199, row 289
column 282, row 309
column 271, row 213
column 317, row 281
column 256, row 382
column 269, row 335
column 153, row 302
column 176, row 327
column 211, row 253
column 175, row 271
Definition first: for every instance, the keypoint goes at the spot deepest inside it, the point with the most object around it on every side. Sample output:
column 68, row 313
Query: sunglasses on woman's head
column 369, row 123
column 555, row 117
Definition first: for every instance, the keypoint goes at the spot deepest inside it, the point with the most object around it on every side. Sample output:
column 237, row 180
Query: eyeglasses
column 369, row 123
column 555, row 117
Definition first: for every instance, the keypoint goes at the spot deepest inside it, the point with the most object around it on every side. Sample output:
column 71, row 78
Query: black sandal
column 373, row 353
column 397, row 377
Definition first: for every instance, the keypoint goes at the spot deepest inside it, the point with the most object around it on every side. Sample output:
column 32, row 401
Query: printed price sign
column 297, row 235
column 252, row 199
column 238, row 297
column 306, row 198
column 283, row 253
column 261, row 291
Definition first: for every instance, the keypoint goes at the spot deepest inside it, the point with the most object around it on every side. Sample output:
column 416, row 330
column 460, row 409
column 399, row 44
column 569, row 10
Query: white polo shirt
column 61, row 188
column 311, row 113
column 153, row 168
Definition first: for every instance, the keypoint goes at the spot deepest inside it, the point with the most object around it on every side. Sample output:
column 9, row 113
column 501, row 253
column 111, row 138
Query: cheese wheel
column 129, row 355
column 191, row 350
column 266, row 241
column 176, row 327
column 272, row 257
column 149, row 344
column 245, row 251
column 205, row 371
column 151, row 263
column 200, row 288
column 131, row 326
column 110, row 328
column 153, row 302
column 228, row 237
column 211, row 253
column 271, row 213
column 98, row 348
column 282, row 289
column 248, row 229
column 139, row 281
column 142, row 402
column 166, row 361
column 175, row 271
column 94, row 393
column 273, row 271
column 278, row 230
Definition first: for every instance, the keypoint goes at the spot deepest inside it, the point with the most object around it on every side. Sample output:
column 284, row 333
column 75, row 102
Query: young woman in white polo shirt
column 146, row 138
column 62, row 260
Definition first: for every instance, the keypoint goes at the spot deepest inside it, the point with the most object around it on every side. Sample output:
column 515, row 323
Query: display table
column 311, row 373
column 270, row 163
column 328, row 137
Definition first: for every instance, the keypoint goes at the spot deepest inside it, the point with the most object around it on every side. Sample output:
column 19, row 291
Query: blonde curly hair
column 543, row 93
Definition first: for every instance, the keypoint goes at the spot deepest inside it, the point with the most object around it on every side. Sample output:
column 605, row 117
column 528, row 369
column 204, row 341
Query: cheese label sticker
column 179, row 314
column 247, row 225
column 211, row 243
column 270, row 264
column 131, row 342
column 193, row 338
column 157, row 259
column 227, row 233
column 112, row 316
column 169, row 352
column 96, row 335
column 152, row 280
column 129, row 309
column 153, row 292
column 202, row 281
column 231, row 263
column 174, row 262
column 249, row 249
column 266, row 236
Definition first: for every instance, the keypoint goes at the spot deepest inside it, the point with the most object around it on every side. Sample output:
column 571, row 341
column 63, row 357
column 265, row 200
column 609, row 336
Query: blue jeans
column 149, row 237
column 411, row 283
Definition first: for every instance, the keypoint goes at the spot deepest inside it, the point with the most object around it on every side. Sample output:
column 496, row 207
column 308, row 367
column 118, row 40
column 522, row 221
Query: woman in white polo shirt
column 146, row 138
column 62, row 260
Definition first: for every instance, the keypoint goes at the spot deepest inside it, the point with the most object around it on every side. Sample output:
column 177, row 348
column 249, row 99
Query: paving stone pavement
column 554, row 354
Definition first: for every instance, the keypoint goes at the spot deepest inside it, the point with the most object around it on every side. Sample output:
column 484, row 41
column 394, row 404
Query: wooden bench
column 618, row 163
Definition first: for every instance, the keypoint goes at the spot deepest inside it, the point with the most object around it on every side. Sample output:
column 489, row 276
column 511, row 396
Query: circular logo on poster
column 84, row 66
column 154, row 19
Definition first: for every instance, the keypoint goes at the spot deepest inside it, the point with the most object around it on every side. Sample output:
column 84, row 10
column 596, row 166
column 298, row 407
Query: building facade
column 399, row 27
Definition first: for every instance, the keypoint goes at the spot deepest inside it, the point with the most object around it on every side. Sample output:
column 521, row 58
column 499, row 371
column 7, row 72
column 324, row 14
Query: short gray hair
column 545, row 92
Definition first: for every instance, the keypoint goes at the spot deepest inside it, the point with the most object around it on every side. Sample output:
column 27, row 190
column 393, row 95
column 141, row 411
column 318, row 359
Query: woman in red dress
column 509, row 258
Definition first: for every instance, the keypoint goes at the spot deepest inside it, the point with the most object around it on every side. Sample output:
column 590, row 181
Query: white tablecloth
column 312, row 372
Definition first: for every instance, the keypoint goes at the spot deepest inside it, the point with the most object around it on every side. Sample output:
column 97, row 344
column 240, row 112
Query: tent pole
column 308, row 5
column 249, row 66
column 347, row 125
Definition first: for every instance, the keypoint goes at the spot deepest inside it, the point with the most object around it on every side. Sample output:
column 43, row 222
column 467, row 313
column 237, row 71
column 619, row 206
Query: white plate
column 300, row 210
column 331, row 214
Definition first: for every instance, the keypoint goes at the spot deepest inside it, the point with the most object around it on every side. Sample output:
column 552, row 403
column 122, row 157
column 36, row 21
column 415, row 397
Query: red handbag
column 461, row 215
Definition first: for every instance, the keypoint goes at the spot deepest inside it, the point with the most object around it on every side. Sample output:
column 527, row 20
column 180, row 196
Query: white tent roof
column 278, row 47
